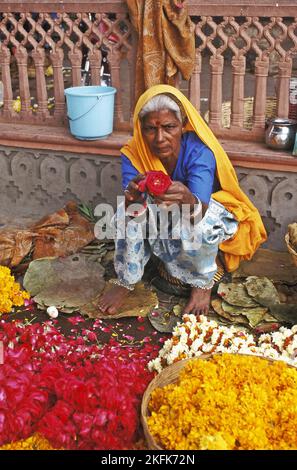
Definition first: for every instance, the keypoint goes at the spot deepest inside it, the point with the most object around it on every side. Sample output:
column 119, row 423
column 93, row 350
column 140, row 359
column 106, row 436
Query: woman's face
column 162, row 132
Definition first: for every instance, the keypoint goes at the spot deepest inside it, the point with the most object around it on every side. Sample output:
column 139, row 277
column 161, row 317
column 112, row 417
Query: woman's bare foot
column 198, row 302
column 112, row 300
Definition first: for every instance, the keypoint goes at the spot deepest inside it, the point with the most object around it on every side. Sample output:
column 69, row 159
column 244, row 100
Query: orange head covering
column 251, row 232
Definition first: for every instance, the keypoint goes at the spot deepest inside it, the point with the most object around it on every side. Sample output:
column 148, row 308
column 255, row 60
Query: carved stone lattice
column 30, row 42
column 267, row 44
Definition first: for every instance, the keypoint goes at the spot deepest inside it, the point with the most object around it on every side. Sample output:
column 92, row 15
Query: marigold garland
column 231, row 402
column 10, row 292
column 199, row 335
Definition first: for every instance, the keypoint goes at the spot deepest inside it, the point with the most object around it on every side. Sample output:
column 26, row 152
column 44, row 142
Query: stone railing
column 244, row 60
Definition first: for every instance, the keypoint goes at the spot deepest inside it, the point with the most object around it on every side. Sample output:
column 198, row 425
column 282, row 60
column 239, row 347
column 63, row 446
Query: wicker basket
column 291, row 249
column 270, row 111
column 168, row 376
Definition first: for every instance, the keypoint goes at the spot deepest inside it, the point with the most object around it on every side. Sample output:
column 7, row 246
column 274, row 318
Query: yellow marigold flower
column 215, row 442
column 10, row 291
column 229, row 402
column 17, row 105
column 35, row 442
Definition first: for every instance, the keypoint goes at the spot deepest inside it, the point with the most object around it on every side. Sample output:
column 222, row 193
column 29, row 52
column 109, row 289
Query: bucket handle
column 84, row 114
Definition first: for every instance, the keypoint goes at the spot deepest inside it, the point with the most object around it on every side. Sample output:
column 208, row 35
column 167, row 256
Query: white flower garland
column 196, row 336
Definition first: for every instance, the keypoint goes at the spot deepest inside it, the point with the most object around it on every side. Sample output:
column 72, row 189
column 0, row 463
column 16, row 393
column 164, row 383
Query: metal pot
column 280, row 134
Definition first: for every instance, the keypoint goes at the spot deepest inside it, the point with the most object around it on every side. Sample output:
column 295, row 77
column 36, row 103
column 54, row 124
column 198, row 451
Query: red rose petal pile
column 76, row 394
column 155, row 183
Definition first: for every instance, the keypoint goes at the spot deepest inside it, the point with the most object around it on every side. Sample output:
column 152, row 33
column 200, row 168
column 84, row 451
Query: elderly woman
column 170, row 136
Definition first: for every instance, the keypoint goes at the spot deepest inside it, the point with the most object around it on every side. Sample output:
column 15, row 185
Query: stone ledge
column 58, row 138
column 242, row 153
column 258, row 155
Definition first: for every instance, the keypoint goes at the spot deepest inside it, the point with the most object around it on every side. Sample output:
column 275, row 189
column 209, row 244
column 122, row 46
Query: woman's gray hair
column 158, row 103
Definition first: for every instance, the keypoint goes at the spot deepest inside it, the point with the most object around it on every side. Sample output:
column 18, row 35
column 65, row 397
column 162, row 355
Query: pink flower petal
column 129, row 338
column 76, row 320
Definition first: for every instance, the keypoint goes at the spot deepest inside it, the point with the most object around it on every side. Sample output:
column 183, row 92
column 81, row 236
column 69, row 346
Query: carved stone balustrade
column 41, row 43
column 58, row 36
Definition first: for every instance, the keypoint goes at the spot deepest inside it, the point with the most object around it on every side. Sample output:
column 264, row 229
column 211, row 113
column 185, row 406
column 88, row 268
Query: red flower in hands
column 155, row 183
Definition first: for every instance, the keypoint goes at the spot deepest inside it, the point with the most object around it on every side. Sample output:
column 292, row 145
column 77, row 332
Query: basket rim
column 178, row 366
column 290, row 247
column 154, row 384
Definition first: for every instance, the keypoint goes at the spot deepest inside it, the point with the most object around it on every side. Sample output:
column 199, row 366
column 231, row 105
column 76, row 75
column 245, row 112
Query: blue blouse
column 195, row 168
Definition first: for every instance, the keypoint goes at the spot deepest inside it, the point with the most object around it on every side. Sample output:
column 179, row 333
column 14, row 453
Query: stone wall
column 275, row 195
column 36, row 182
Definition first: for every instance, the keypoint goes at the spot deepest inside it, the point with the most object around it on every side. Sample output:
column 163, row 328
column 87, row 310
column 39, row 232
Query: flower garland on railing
column 10, row 292
column 197, row 336
column 75, row 393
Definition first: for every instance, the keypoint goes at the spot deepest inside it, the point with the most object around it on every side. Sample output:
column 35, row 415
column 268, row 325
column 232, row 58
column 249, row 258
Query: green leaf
column 87, row 212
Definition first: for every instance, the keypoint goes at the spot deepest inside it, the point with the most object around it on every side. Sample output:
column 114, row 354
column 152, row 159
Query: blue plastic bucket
column 90, row 111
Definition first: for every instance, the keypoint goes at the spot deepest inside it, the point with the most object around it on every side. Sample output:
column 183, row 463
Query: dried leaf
column 59, row 218
column 15, row 244
column 292, row 229
column 163, row 320
column 139, row 303
column 60, row 234
column 66, row 283
column 236, row 294
column 238, row 319
column 177, row 310
column 167, row 314
column 269, row 318
column 254, row 314
column 262, row 290
column 58, row 239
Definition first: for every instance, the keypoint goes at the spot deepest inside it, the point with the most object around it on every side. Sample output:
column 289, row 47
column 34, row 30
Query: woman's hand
column 132, row 193
column 177, row 193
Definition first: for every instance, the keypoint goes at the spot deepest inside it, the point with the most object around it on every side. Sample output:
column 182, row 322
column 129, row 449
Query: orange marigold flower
column 230, row 402
column 35, row 442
